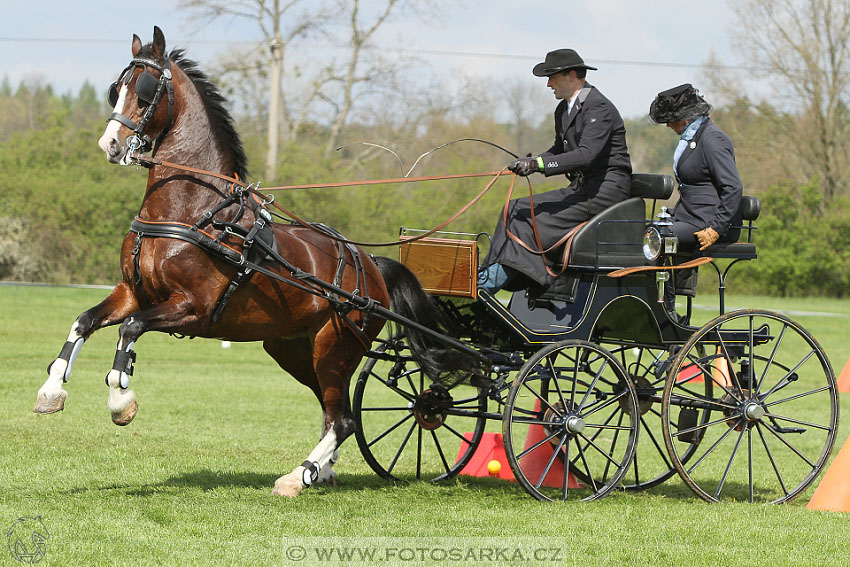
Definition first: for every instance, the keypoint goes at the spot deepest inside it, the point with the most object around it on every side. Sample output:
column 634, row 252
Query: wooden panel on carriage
column 443, row 266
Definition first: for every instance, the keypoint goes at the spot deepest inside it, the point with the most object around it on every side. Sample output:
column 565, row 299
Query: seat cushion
column 738, row 250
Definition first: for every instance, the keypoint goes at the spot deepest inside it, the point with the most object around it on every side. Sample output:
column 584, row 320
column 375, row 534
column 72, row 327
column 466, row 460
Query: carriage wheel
column 408, row 428
column 774, row 410
column 559, row 410
column 647, row 367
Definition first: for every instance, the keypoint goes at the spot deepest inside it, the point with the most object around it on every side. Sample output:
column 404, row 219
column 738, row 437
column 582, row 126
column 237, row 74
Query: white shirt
column 572, row 101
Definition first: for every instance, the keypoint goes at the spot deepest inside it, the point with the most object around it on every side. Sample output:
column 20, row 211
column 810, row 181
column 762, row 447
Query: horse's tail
column 408, row 299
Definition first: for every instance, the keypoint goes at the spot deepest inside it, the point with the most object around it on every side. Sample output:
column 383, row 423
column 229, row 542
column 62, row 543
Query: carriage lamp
column 658, row 238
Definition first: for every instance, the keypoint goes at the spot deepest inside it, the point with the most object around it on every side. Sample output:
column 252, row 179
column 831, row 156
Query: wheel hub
column 645, row 392
column 750, row 410
column 431, row 407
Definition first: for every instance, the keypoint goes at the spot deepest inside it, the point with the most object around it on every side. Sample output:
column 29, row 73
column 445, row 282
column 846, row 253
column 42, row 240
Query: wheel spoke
column 772, row 460
column 536, row 445
column 703, row 426
column 548, row 466
column 390, row 430
column 798, row 396
column 785, row 381
column 750, row 451
column 797, row 421
column 401, row 447
column 446, row 465
column 592, row 385
column 557, row 382
column 729, row 464
column 726, row 356
column 566, row 480
column 710, row 450
column 598, row 449
column 772, row 356
column 788, row 444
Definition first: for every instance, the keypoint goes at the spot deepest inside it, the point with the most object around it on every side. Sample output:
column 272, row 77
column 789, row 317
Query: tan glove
column 706, row 237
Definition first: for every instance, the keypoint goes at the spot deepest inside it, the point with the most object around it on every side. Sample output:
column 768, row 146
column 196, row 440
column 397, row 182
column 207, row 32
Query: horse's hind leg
column 119, row 304
column 334, row 357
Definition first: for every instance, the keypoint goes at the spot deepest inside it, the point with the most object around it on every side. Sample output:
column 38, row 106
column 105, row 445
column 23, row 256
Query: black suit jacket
column 591, row 139
column 709, row 185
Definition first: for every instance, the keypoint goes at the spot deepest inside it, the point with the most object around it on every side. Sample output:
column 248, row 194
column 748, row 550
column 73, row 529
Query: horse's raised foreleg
column 174, row 315
column 115, row 308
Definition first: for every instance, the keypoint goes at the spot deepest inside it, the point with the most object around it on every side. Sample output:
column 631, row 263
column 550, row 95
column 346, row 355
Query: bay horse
column 180, row 260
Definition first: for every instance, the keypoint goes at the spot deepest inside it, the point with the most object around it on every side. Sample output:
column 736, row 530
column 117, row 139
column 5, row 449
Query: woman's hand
column 706, row 237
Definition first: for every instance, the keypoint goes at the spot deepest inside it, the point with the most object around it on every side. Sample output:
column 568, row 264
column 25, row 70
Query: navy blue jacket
column 709, row 185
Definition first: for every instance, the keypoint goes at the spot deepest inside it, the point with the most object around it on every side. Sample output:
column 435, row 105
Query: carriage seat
column 742, row 250
column 614, row 238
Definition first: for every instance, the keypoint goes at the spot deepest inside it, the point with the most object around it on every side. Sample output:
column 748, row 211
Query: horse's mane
column 220, row 119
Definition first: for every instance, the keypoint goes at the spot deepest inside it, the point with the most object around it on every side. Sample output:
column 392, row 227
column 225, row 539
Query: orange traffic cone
column 844, row 378
column 720, row 372
column 833, row 492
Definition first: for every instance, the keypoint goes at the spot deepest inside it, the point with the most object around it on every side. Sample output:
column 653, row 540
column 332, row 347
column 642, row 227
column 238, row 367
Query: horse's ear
column 137, row 45
column 158, row 42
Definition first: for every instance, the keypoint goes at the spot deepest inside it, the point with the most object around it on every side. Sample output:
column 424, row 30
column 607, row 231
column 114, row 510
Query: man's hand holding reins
column 525, row 166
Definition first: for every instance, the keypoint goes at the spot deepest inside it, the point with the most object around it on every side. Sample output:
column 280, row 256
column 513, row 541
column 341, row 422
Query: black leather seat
column 614, row 238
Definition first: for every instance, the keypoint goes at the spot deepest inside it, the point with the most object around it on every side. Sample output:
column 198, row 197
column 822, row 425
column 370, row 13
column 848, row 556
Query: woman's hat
column 679, row 103
column 560, row 60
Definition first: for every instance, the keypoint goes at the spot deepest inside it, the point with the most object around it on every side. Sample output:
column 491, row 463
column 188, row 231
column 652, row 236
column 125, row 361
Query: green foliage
column 64, row 209
column 803, row 244
column 72, row 207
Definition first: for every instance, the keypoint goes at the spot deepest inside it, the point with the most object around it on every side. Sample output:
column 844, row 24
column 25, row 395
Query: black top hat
column 560, row 60
column 679, row 103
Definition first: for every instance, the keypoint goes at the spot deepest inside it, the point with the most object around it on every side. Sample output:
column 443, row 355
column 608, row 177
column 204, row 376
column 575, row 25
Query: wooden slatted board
column 443, row 266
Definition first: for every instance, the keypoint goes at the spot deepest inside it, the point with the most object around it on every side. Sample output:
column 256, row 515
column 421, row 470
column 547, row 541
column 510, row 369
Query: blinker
column 146, row 87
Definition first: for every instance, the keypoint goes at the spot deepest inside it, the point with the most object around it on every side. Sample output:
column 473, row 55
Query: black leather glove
column 525, row 166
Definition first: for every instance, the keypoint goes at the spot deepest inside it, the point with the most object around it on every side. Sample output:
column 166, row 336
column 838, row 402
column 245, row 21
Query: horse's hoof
column 327, row 477
column 125, row 416
column 50, row 404
column 288, row 486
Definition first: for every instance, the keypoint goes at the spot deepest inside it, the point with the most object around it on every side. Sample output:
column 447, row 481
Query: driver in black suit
column 589, row 148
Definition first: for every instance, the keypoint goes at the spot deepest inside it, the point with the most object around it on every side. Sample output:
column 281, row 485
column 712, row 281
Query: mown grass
column 189, row 481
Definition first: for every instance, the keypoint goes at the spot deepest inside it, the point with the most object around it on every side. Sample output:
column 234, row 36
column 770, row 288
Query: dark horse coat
column 590, row 149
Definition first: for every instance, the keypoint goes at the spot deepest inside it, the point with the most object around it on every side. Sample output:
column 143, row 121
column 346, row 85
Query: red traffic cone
column 491, row 449
column 844, row 378
column 833, row 492
column 534, row 463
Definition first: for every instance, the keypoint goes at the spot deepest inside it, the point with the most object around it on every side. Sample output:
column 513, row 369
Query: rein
column 566, row 239
column 150, row 162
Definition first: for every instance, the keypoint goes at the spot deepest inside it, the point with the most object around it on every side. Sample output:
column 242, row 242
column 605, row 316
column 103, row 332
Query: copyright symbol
column 295, row 553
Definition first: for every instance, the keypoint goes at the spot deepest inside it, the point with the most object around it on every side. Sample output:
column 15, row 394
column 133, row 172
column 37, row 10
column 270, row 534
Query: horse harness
column 258, row 245
column 149, row 89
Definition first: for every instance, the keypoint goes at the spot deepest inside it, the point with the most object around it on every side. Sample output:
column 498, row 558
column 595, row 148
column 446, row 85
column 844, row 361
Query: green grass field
column 189, row 481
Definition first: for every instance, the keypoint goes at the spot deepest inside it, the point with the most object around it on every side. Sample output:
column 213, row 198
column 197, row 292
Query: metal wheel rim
column 760, row 443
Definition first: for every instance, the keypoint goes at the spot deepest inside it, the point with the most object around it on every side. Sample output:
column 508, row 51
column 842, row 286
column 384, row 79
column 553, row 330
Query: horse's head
column 142, row 99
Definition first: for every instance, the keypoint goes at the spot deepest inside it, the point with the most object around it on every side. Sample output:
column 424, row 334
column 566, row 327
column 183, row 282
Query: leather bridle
column 149, row 89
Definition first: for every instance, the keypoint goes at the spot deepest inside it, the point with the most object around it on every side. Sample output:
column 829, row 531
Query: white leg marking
column 51, row 395
column 293, row 483
column 121, row 401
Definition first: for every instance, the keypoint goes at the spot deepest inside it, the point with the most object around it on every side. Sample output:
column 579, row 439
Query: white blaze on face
column 112, row 126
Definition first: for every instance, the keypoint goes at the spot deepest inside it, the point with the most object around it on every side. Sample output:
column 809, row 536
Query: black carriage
column 597, row 385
